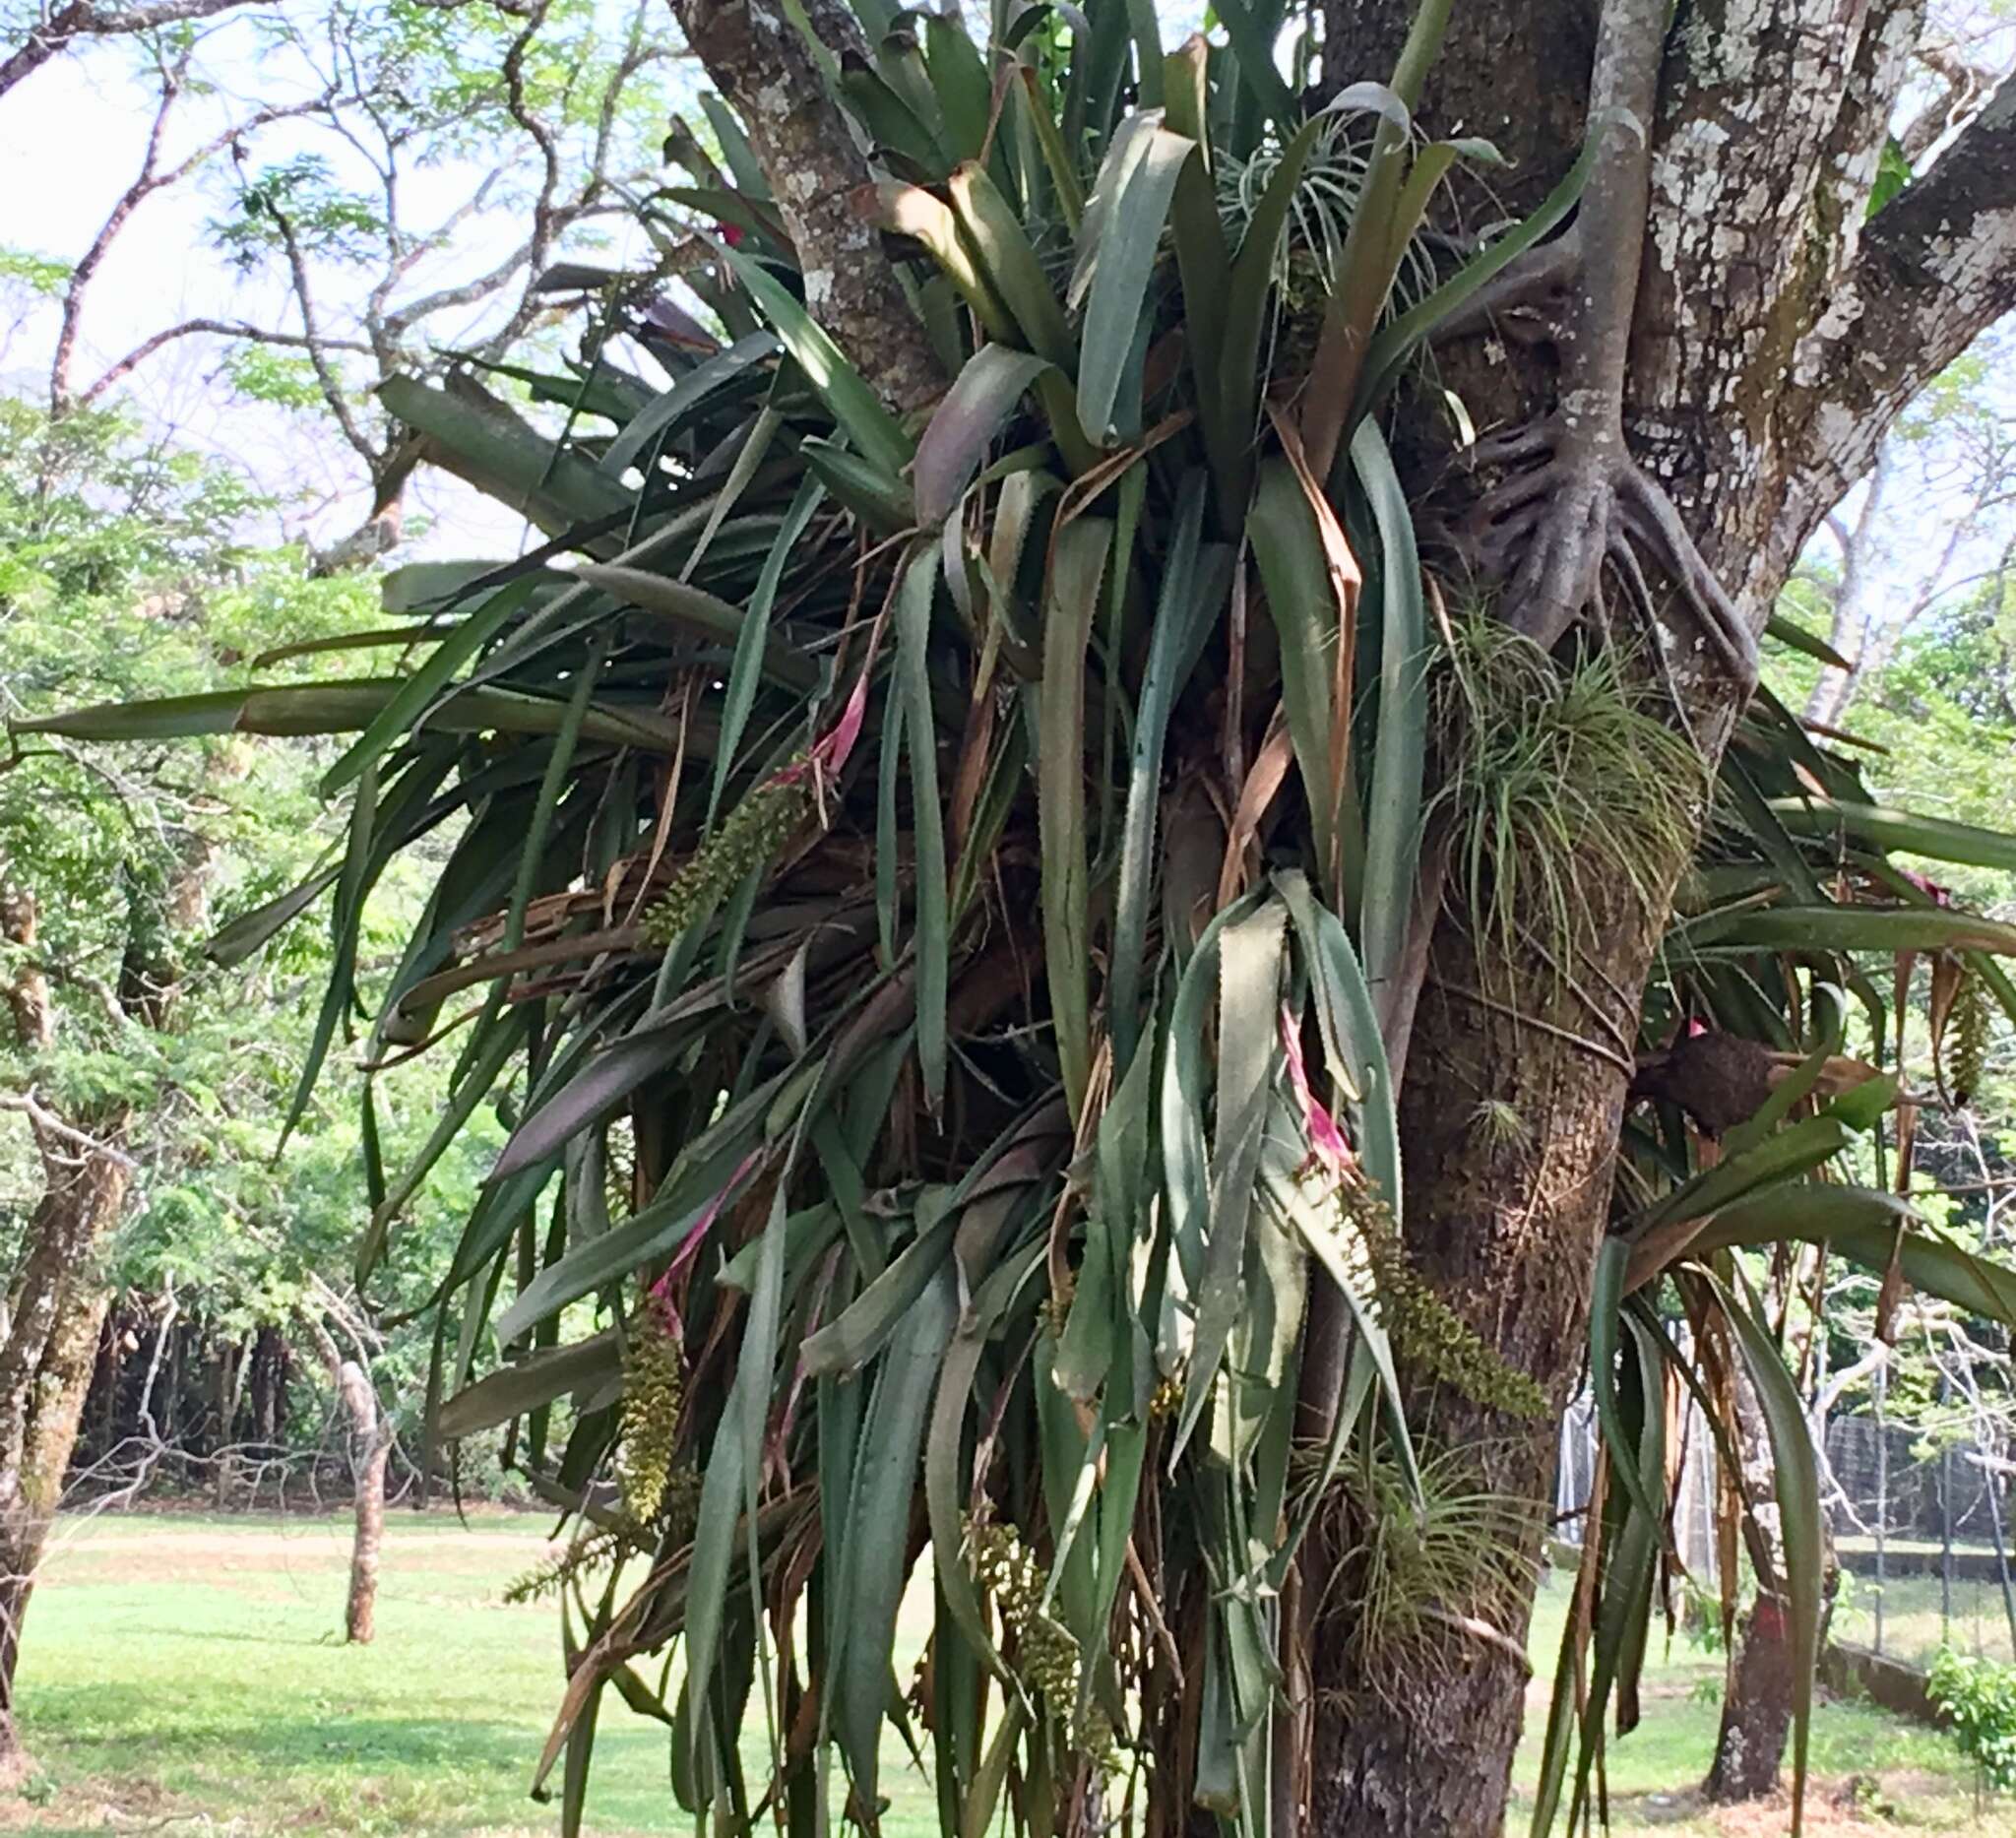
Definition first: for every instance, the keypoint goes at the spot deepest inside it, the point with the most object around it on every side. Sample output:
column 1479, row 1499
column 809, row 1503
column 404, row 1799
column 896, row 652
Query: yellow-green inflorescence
column 1969, row 1031
column 749, row 835
column 1046, row 1653
column 654, row 1390
column 593, row 1550
column 1424, row 1328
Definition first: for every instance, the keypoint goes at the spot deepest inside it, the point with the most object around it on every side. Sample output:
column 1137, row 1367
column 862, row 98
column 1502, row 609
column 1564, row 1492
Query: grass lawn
column 1917, row 1619
column 188, row 1674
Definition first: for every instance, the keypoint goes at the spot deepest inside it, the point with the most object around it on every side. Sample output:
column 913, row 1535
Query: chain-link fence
column 1921, row 1532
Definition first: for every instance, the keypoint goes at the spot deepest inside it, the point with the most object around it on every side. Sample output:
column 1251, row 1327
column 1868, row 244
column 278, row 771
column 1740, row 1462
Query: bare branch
column 69, row 25
column 1961, row 86
column 315, row 342
column 215, row 328
column 48, row 1124
column 151, row 180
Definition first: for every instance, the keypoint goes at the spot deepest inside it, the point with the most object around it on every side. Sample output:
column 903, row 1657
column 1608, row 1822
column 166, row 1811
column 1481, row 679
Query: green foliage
column 128, row 567
column 38, row 276
column 1415, row 1558
column 1980, row 1695
column 262, row 373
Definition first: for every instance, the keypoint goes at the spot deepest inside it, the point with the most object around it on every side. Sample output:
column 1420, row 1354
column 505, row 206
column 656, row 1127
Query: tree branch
column 1937, row 267
column 48, row 1124
column 66, row 24
column 215, row 327
column 764, row 66
column 315, row 342
column 150, row 180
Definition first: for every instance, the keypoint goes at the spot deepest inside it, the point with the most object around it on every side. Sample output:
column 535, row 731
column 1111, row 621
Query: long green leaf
column 876, row 434
column 1890, row 828
column 1072, row 598
column 1127, row 250
column 962, row 427
column 517, row 1390
column 1888, row 930
column 1797, row 1485
column 1393, row 822
column 1195, row 580
column 933, row 914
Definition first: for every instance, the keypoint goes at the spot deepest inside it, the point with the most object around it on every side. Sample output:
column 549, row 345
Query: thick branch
column 1936, row 268
column 757, row 56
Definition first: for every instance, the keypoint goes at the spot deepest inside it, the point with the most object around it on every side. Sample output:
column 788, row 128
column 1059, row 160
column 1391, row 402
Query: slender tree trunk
column 370, row 1446
column 1856, row 597
column 1762, row 1679
column 56, row 1303
column 369, row 1437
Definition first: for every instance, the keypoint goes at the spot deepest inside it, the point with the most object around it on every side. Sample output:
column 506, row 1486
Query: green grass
column 189, row 1673
column 1915, row 1622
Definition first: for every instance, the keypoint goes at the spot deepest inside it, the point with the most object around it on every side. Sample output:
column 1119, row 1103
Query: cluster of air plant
column 1561, row 782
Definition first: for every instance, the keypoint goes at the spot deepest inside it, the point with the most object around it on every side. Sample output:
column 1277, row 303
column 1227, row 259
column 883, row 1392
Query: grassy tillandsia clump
column 1560, row 782
column 1424, row 1563
column 953, row 865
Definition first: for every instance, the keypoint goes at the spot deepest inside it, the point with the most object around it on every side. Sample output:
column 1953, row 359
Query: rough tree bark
column 1769, row 341
column 56, row 1302
column 1670, row 399
column 766, row 69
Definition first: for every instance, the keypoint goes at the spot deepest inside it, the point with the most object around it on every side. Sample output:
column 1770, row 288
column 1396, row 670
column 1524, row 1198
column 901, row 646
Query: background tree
column 408, row 176
column 145, row 1088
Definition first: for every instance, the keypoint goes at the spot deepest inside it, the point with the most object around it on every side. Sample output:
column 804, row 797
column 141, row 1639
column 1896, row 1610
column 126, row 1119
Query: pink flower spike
column 1326, row 1141
column 660, row 1298
column 831, row 752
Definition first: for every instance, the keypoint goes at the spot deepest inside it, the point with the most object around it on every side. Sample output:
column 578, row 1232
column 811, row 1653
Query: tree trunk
column 1756, row 1707
column 58, row 1306
column 369, row 1437
column 56, row 1303
column 1508, row 1223
column 1753, row 407
column 370, row 1446
column 1762, row 1679
column 1855, row 597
